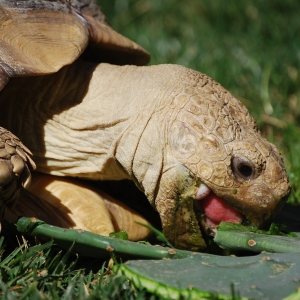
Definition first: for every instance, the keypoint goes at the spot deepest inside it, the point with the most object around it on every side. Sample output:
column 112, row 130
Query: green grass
column 46, row 272
column 43, row 271
column 251, row 47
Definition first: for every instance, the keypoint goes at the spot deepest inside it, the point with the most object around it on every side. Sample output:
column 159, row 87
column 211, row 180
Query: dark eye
column 242, row 168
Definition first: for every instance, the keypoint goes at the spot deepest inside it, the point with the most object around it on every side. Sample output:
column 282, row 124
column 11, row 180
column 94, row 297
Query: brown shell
column 41, row 36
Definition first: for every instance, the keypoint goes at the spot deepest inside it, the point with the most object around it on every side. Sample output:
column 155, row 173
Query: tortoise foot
column 15, row 165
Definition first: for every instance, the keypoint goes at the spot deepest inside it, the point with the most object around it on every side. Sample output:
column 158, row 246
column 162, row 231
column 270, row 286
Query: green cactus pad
column 236, row 237
column 264, row 276
column 91, row 244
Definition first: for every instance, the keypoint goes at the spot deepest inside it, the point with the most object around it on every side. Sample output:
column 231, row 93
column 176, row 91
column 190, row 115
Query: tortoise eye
column 242, row 168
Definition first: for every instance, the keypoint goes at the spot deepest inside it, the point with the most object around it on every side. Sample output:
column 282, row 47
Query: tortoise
column 84, row 104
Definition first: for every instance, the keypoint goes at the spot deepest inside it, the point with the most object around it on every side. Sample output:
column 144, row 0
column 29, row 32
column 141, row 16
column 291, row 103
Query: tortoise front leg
column 15, row 165
column 72, row 203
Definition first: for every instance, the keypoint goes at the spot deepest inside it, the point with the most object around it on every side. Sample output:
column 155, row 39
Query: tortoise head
column 238, row 175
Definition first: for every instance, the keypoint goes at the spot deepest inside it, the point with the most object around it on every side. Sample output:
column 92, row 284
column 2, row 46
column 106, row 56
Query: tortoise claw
column 15, row 165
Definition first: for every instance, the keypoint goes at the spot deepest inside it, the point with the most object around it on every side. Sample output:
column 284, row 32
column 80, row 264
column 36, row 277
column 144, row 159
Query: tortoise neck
column 86, row 120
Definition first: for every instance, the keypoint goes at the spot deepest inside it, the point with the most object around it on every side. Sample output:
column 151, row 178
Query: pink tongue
column 217, row 210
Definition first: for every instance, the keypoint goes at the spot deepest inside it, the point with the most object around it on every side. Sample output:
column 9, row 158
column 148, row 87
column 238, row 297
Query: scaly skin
column 15, row 165
column 165, row 127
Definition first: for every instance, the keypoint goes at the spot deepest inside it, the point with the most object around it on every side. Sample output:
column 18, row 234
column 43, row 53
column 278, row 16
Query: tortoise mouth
column 211, row 210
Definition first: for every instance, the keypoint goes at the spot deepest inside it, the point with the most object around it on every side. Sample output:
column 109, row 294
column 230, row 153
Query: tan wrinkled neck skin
column 165, row 127
column 88, row 121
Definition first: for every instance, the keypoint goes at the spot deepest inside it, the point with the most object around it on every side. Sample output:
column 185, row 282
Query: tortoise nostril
column 242, row 168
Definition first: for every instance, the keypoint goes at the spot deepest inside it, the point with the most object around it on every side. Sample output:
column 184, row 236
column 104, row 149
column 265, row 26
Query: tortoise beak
column 259, row 203
column 256, row 204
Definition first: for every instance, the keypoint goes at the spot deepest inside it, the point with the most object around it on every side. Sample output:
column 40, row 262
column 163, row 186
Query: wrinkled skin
column 165, row 127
